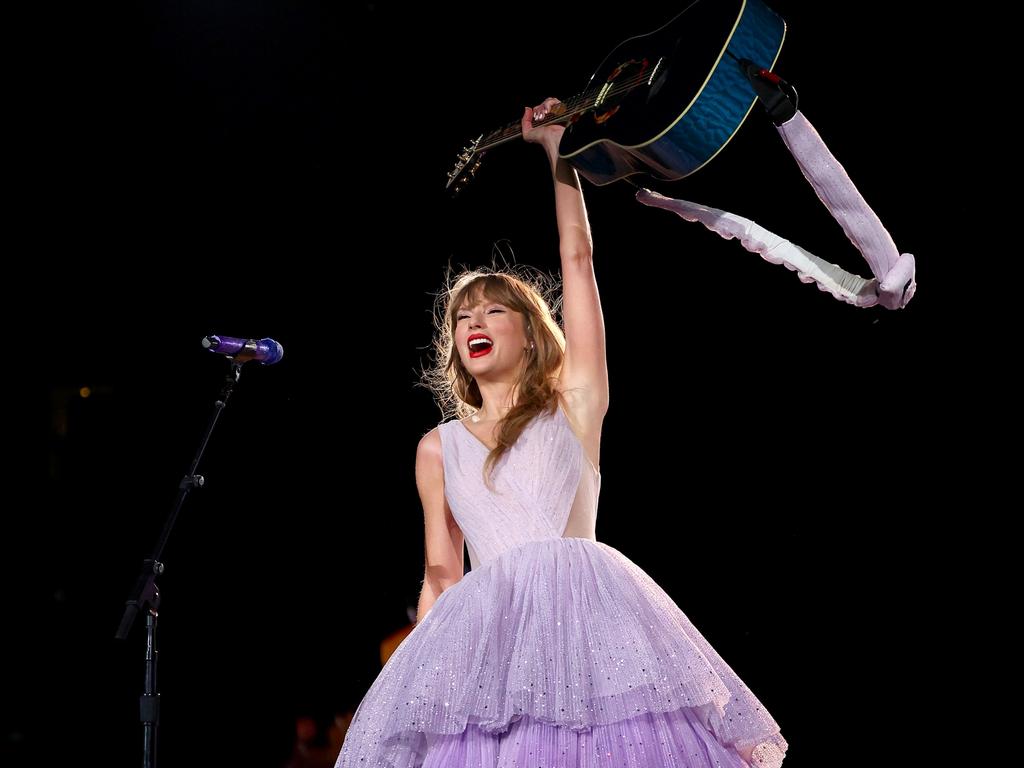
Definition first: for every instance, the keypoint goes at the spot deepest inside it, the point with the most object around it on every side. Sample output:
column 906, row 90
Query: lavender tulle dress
column 555, row 650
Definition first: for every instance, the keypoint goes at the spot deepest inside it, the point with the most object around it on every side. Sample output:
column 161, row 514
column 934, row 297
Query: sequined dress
column 555, row 650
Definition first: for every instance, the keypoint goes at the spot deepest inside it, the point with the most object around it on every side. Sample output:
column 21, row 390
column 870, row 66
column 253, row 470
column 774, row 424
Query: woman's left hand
column 545, row 134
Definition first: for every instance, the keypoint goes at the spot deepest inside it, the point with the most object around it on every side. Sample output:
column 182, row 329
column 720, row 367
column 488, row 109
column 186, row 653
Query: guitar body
column 667, row 102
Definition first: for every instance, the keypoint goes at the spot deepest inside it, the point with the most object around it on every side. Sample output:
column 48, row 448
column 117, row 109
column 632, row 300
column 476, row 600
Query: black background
column 277, row 169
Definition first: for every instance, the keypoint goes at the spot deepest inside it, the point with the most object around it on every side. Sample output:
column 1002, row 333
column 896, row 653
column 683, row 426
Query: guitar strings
column 576, row 105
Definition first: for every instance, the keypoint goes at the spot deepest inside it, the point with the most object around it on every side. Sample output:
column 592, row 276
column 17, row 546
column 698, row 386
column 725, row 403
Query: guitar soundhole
column 622, row 83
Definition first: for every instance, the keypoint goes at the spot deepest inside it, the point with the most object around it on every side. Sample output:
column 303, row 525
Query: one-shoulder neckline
column 583, row 451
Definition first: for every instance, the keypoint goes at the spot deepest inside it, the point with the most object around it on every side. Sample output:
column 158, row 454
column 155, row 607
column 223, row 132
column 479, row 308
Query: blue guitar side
column 667, row 102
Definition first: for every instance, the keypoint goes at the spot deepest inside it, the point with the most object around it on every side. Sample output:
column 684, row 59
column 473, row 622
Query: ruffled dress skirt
column 559, row 653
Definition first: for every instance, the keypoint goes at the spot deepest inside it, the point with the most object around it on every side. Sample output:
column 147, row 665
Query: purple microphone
column 267, row 351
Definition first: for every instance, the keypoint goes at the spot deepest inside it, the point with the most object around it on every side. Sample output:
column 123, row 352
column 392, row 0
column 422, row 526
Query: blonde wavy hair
column 533, row 294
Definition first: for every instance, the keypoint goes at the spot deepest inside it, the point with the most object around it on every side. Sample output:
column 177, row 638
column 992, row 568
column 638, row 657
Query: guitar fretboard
column 574, row 106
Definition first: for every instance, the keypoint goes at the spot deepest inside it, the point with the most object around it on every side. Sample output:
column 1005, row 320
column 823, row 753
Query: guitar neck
column 514, row 130
column 563, row 112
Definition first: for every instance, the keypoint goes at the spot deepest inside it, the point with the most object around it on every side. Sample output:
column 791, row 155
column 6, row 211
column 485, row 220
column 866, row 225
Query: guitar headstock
column 466, row 166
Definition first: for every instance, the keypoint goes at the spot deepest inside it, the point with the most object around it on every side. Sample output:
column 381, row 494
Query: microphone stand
column 145, row 596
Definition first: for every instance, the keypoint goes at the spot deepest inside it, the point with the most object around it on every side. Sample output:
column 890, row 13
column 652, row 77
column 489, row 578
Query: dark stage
column 272, row 169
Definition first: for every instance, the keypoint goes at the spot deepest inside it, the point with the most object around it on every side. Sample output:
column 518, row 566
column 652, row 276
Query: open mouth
column 480, row 346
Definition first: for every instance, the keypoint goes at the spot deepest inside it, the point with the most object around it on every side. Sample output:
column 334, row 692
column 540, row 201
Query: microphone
column 267, row 351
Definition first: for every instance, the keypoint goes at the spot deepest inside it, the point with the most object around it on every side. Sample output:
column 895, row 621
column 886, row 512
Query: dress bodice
column 545, row 487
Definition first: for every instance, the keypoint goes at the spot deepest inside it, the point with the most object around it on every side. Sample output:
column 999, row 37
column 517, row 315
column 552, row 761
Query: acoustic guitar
column 664, row 103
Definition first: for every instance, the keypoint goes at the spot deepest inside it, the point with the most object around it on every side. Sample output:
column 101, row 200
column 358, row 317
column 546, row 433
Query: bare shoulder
column 430, row 476
column 429, row 452
column 431, row 442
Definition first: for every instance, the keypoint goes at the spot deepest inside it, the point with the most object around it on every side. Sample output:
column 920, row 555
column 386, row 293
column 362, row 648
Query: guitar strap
column 893, row 284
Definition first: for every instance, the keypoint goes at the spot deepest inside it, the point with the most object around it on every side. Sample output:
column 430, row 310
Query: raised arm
column 585, row 369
